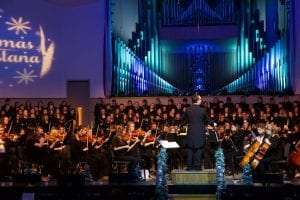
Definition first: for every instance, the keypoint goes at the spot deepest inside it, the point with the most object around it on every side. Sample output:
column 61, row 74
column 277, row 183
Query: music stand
column 169, row 145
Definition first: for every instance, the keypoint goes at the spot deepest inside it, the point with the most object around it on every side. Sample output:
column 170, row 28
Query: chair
column 26, row 164
column 121, row 168
column 280, row 165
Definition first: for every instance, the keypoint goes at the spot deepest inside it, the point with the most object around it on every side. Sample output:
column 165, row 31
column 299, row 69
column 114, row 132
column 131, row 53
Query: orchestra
column 49, row 136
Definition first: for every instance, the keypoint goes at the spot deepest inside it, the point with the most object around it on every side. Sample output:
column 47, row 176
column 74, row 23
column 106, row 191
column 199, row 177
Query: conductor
column 197, row 118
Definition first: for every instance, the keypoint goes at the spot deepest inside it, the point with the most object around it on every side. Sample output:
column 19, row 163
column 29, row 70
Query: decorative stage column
column 161, row 190
column 247, row 175
column 79, row 116
column 220, row 165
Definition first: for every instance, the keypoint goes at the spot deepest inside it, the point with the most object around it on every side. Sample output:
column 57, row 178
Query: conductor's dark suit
column 197, row 119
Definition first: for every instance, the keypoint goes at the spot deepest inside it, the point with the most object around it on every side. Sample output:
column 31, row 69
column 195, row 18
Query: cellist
column 268, row 134
column 294, row 157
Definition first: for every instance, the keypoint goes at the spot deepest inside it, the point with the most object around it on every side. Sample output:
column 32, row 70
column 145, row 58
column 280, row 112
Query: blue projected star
column 25, row 77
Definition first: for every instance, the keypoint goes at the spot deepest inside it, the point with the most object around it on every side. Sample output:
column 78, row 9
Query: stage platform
column 73, row 188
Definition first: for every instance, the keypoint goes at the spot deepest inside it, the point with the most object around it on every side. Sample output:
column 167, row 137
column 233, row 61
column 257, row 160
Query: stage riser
column 183, row 177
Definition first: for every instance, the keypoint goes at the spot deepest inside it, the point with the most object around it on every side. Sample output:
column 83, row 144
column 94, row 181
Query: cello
column 260, row 154
column 250, row 153
column 294, row 157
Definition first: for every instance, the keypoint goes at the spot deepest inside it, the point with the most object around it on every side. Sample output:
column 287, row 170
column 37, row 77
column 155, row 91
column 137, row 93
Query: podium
column 194, row 177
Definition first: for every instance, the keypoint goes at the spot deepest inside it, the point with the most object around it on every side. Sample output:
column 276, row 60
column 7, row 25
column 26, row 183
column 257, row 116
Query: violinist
column 5, row 123
column 248, row 135
column 124, row 148
column 8, row 144
column 224, row 136
column 101, row 147
column 98, row 153
column 211, row 146
column 103, row 139
column 149, row 146
column 80, row 153
column 57, row 148
column 37, row 151
column 4, row 169
column 152, row 135
column 173, row 154
column 133, row 138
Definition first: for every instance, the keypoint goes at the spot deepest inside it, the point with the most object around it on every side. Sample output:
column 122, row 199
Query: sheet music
column 168, row 145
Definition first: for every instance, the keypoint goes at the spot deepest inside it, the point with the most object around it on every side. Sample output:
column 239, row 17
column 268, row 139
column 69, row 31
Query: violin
column 55, row 135
column 8, row 136
column 127, row 138
column 86, row 138
column 138, row 133
column 150, row 138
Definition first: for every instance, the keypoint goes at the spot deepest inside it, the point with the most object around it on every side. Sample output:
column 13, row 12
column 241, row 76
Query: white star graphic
column 25, row 77
column 18, row 25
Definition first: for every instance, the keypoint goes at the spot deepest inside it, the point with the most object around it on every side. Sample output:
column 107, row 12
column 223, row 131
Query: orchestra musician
column 57, row 148
column 226, row 143
column 232, row 144
column 211, row 146
column 124, row 147
column 4, row 162
column 268, row 133
column 294, row 158
column 37, row 151
column 237, row 138
column 148, row 147
column 79, row 145
column 100, row 148
column 173, row 154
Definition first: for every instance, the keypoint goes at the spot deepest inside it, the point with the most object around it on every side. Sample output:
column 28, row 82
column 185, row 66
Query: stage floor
column 30, row 188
